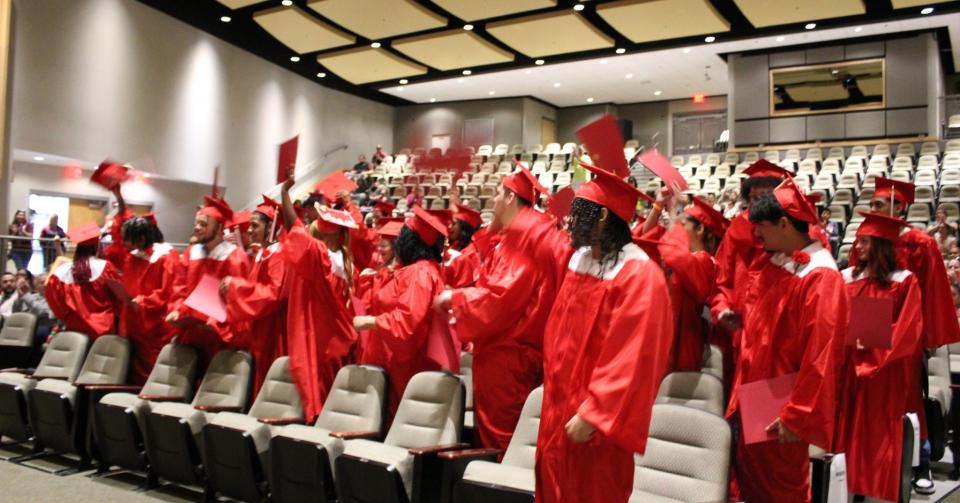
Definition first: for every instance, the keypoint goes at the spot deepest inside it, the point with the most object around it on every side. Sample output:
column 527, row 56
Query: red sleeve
column 56, row 297
column 695, row 272
column 633, row 357
column 940, row 325
column 404, row 328
column 907, row 329
column 461, row 271
column 499, row 300
column 535, row 235
column 726, row 259
column 306, row 256
column 116, row 253
column 250, row 298
column 156, row 301
column 810, row 411
column 179, row 283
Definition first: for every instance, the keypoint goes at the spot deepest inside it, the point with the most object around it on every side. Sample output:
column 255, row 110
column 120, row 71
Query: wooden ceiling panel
column 551, row 33
column 366, row 64
column 763, row 13
column 300, row 31
column 236, row 4
column 452, row 49
column 905, row 4
column 473, row 10
column 377, row 19
column 647, row 21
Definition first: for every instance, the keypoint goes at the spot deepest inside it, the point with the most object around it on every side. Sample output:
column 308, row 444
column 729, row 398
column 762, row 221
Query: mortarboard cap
column 901, row 191
column 427, row 226
column 610, row 191
column 268, row 207
column 468, row 215
column 336, row 182
column 707, row 216
column 881, row 226
column 794, row 203
column 524, row 184
column 764, row 167
column 109, row 174
column 390, row 230
column 604, row 140
column 88, row 233
column 217, row 209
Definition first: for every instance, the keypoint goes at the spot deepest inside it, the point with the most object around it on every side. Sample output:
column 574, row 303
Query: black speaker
column 626, row 128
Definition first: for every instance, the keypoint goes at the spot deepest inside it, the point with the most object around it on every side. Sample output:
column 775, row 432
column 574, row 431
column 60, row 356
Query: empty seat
column 792, row 155
column 694, row 160
column 712, row 159
column 925, row 177
column 236, row 445
column 814, row 154
column 552, row 149
column 923, row 194
column 568, row 148
column 512, row 479
column 930, row 148
column 429, row 420
column 772, row 156
column 692, row 389
column 918, row 213
column 807, row 167
column 687, row 457
column 939, row 399
column 905, row 150
column 16, row 340
column 484, row 150
column 835, row 153
column 501, row 149
column 119, row 416
column 174, row 429
column 950, row 193
column 751, row 157
column 677, row 160
column 731, row 158
column 61, row 360
column 844, row 253
column 951, row 146
column 858, row 151
column 535, row 149
column 302, row 457
column 60, row 409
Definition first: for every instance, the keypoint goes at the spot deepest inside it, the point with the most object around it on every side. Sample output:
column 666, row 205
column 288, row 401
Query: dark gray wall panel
column 751, row 132
column 864, row 50
column 787, row 130
column 751, row 87
column 824, row 54
column 792, row 58
column 865, row 124
column 825, row 127
column 907, row 121
column 906, row 72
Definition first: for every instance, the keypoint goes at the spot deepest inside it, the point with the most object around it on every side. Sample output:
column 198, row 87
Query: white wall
column 114, row 78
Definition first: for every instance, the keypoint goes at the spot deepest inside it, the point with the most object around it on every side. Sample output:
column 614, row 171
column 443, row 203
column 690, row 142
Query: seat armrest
column 955, row 386
column 41, row 377
column 276, row 421
column 219, row 408
column 350, row 435
column 161, row 398
column 471, row 454
column 112, row 387
column 18, row 370
column 437, row 449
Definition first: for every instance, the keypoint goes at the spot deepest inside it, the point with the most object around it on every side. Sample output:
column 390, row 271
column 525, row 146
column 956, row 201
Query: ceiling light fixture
column 781, row 39
column 926, row 10
column 491, row 93
column 539, row 62
column 399, row 89
column 38, row 158
column 468, row 27
column 603, row 61
column 589, row 100
column 528, row 72
column 858, row 29
column 578, row 7
column 686, row 50
column 225, row 19
column 710, row 39
column 433, row 100
column 375, row 45
column 459, row 81
column 628, row 76
column 287, row 3
column 810, row 26
column 295, row 59
column 467, row 72
column 403, row 81
column 621, row 50
column 657, row 93
column 556, row 84
column 321, row 75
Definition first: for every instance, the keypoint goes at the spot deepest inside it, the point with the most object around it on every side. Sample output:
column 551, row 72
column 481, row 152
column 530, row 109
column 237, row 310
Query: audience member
column 944, row 232
column 35, row 303
column 832, row 229
column 55, row 248
column 21, row 249
column 362, row 166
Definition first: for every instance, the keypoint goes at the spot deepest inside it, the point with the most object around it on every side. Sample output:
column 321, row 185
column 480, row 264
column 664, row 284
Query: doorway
column 548, row 131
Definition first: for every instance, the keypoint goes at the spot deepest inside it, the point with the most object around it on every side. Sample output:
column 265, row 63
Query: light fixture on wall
column 225, row 19
column 375, row 45
column 711, row 39
column 810, row 26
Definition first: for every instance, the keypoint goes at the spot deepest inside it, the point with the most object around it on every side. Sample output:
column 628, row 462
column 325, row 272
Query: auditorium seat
column 476, row 476
column 173, row 433
column 568, row 148
column 835, row 153
column 551, row 149
column 302, row 457
column 16, row 340
column 694, row 160
column 814, row 154
column 692, row 389
column 905, row 163
column 62, row 360
column 236, row 445
column 880, row 150
column 906, row 150
column 713, row 361
column 404, row 466
column 466, row 375
column 930, row 148
column 951, row 146
column 60, row 409
column 676, row 160
column 119, row 416
column 844, row 253
column 772, row 156
column 939, row 400
column 501, row 149
column 485, row 150
column 535, row 149
column 687, row 458
column 950, row 193
column 858, row 151
column 732, row 159
column 952, row 210
column 807, row 167
column 516, row 150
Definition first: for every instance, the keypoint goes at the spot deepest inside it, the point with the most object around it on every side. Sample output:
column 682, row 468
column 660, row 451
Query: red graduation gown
column 115, row 253
column 504, row 315
column 88, row 308
column 923, row 258
column 319, row 324
column 404, row 313
column 605, row 351
column 257, row 303
column 880, row 382
column 461, row 266
column 796, row 325
column 150, row 275
column 226, row 259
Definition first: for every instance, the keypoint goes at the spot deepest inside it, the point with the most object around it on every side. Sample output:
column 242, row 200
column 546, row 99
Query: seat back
column 522, row 449
column 107, row 362
column 64, row 356
column 430, row 412
column 278, row 395
column 173, row 372
column 692, row 389
column 18, row 330
column 357, row 400
column 713, row 362
column 687, row 457
column 227, row 381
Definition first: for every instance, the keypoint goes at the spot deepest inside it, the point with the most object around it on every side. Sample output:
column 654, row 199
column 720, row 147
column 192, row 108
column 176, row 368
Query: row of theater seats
column 75, row 402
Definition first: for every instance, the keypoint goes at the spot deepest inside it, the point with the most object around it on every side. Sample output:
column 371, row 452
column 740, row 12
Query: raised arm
column 289, row 214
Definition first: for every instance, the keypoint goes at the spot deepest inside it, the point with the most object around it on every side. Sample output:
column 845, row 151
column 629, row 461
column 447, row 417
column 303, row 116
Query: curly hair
column 81, row 262
column 767, row 209
column 409, row 248
column 141, row 232
column 465, row 236
column 614, row 235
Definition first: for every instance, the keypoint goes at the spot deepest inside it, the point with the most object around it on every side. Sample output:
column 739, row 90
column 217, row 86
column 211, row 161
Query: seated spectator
column 362, row 166
column 832, row 229
column 34, row 301
column 8, row 293
column 378, row 156
column 945, row 233
column 52, row 249
column 953, row 270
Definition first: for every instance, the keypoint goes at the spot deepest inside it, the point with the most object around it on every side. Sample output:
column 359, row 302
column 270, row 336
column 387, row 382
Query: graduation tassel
column 273, row 228
column 891, row 202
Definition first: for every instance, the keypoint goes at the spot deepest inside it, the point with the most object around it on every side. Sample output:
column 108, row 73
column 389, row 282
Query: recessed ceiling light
column 628, row 76
column 621, row 50
column 858, row 29
column 589, row 100
column 578, row 7
column 686, row 50
column 287, row 3
column 781, row 39
column 404, row 81
column 528, row 72
column 399, row 89
column 834, row 72
column 225, row 19
column 603, row 61
column 468, row 27
column 539, row 62
column 556, row 84
column 375, row 45
column 491, row 93
column 295, row 58
column 459, row 81
column 709, row 39
column 657, row 93
column 38, row 158
column 321, row 75
column 926, row 10
column 810, row 26
column 467, row 72
column 433, row 100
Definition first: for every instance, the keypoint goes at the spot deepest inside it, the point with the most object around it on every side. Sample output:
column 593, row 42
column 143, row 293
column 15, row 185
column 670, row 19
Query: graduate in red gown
column 210, row 255
column 606, row 346
column 882, row 379
column 257, row 303
column 504, row 314
column 462, row 260
column 320, row 271
column 796, row 324
column 686, row 249
column 371, row 280
column 402, row 320
column 77, row 291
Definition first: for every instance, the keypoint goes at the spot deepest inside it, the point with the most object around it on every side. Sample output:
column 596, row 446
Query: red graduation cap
column 386, row 207
column 880, row 226
column 901, row 191
column 268, row 207
column 390, row 230
column 335, row 183
column 559, row 204
column 605, row 143
column 337, row 218
column 427, row 226
column 445, row 216
column 707, row 216
column 524, row 184
column 794, row 203
column 386, row 220
column 468, row 215
column 610, row 191
column 217, row 209
column 661, row 166
column 764, row 167
column 151, row 217
column 109, row 174
column 241, row 219
column 651, row 247
column 88, row 233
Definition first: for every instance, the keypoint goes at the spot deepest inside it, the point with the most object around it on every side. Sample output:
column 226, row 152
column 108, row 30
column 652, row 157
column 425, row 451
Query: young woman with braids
column 881, row 382
column 401, row 315
column 77, row 291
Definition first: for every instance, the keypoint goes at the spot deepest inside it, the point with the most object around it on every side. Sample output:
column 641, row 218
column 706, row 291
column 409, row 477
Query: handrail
column 11, row 237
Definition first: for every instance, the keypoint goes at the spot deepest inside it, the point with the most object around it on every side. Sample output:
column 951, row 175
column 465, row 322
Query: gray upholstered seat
column 62, row 361
column 687, row 457
column 466, row 374
column 356, row 404
column 713, row 362
column 18, row 330
column 954, row 350
column 939, row 392
column 236, row 446
column 174, row 429
column 692, row 389
column 430, row 415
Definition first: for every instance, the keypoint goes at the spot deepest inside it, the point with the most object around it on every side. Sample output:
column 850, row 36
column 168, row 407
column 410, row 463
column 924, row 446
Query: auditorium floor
column 22, row 484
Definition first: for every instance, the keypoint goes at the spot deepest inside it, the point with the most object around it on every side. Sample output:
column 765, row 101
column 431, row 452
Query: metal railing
column 37, row 252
